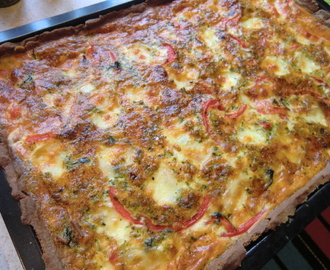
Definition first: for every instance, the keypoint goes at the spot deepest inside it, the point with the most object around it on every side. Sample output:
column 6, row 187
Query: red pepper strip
column 213, row 219
column 244, row 227
column 317, row 96
column 113, row 56
column 295, row 47
column 272, row 9
column 14, row 111
column 184, row 225
column 229, row 227
column 266, row 125
column 4, row 73
column 238, row 113
column 235, row 19
column 285, row 9
column 171, row 54
column 264, row 107
column 39, row 137
column 153, row 227
column 308, row 35
column 261, row 79
column 240, row 41
column 200, row 213
column 113, row 258
column 120, row 208
column 207, row 105
column 90, row 52
column 318, row 80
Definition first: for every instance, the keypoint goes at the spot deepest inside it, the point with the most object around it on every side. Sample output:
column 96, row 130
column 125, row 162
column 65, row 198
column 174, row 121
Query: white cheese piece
column 108, row 154
column 165, row 188
column 186, row 79
column 115, row 225
column 306, row 65
column 315, row 116
column 232, row 80
column 191, row 149
column 302, row 40
column 252, row 135
column 105, row 120
column 87, row 88
column 210, row 38
column 49, row 157
column 276, row 65
column 235, row 196
column 253, row 24
column 141, row 53
column 296, row 151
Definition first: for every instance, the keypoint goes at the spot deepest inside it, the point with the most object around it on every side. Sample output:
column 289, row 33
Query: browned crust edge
column 313, row 7
column 234, row 255
column 15, row 178
column 32, row 42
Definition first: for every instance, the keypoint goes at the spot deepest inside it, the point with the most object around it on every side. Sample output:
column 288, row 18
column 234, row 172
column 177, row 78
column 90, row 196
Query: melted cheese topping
column 136, row 141
column 165, row 188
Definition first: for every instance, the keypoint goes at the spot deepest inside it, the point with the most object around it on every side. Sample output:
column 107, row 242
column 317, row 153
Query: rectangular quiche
column 168, row 135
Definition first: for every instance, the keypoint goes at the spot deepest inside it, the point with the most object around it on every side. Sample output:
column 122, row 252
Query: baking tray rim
column 255, row 257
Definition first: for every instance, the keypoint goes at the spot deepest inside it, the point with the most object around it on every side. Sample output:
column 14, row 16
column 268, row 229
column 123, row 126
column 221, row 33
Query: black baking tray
column 258, row 253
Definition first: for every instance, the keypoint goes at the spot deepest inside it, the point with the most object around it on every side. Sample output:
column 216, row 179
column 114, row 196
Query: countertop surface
column 9, row 259
column 28, row 11
column 22, row 13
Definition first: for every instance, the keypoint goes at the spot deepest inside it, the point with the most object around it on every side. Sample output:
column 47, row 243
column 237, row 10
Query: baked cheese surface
column 157, row 140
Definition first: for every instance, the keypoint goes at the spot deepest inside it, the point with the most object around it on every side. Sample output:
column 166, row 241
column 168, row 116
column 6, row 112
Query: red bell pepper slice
column 239, row 112
column 113, row 56
column 153, row 227
column 272, row 9
column 156, row 228
column 264, row 107
column 266, row 125
column 4, row 73
column 244, row 227
column 120, row 208
column 234, row 19
column 261, row 79
column 213, row 219
column 113, row 257
column 199, row 214
column 309, row 35
column 207, row 105
column 240, row 41
column 14, row 111
column 171, row 54
column 285, row 9
column 295, row 47
column 39, row 137
column 319, row 80
column 228, row 226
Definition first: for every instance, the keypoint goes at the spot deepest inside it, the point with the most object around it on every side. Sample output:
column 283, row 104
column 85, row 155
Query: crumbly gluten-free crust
column 16, row 174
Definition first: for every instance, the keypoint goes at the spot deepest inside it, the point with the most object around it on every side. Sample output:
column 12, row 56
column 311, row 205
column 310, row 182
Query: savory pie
column 167, row 135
